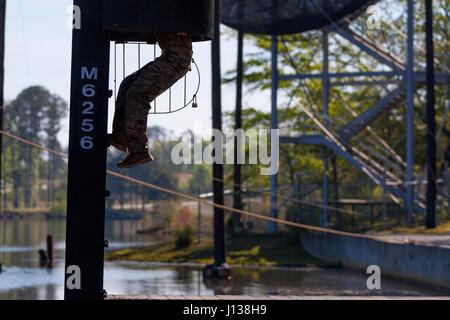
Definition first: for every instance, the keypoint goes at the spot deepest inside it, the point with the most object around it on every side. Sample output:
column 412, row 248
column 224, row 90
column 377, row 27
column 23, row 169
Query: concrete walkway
column 420, row 259
column 422, row 239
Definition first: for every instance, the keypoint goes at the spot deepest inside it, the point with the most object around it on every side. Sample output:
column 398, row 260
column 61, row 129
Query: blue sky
column 38, row 52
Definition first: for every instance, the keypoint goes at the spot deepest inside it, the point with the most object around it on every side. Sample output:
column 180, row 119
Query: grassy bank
column 31, row 213
column 258, row 250
column 441, row 229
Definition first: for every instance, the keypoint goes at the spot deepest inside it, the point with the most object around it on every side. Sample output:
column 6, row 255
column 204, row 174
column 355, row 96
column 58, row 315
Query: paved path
column 278, row 298
column 423, row 239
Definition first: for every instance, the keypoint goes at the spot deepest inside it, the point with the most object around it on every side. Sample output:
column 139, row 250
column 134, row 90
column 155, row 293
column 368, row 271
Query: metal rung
column 156, row 105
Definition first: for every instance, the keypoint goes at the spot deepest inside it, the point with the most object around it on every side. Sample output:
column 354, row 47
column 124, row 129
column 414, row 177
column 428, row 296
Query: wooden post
column 50, row 251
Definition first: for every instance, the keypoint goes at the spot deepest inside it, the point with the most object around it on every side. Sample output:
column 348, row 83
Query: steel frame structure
column 409, row 76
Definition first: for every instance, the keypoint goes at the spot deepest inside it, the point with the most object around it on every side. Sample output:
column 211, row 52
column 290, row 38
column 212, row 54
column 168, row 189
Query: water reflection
column 22, row 279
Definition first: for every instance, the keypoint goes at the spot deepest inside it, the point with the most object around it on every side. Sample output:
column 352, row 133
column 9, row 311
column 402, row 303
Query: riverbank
column 257, row 250
column 442, row 229
column 30, row 213
column 48, row 214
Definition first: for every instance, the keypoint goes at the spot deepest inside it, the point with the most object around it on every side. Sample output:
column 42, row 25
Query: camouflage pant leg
column 119, row 127
column 153, row 79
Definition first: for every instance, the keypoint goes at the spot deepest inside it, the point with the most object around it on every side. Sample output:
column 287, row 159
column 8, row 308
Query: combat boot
column 134, row 159
column 119, row 141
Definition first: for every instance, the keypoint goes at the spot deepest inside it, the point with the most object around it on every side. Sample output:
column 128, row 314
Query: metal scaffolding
column 393, row 174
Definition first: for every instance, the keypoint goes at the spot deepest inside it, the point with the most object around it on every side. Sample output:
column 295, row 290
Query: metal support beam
column 199, row 217
column 431, row 118
column 323, row 221
column 367, row 117
column 87, row 156
column 219, row 223
column 440, row 78
column 302, row 76
column 447, row 185
column 320, row 140
column 274, row 125
column 298, row 196
column 409, row 203
column 237, row 175
column 326, row 122
column 369, row 48
column 2, row 87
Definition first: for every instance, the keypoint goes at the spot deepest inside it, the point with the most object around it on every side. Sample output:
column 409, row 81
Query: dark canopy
column 288, row 16
column 138, row 20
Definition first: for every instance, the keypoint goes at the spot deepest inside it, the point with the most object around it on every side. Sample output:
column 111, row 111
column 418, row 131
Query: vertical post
column 325, row 194
column 325, row 79
column 237, row 175
column 410, row 114
column 447, row 185
column 50, row 251
column 2, row 87
column 384, row 208
column 371, row 205
column 143, row 201
column 87, row 155
column 199, row 217
column 219, row 223
column 431, row 118
column 335, row 184
column 353, row 217
column 325, row 112
column 274, row 125
column 298, row 196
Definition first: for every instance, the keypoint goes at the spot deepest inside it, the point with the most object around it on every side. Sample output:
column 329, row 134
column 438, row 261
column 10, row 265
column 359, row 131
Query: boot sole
column 143, row 161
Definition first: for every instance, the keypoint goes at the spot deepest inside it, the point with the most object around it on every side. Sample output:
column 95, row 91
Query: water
column 23, row 279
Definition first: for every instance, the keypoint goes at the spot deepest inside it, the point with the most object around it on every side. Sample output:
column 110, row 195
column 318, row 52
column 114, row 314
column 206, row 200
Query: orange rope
column 308, row 203
column 191, row 198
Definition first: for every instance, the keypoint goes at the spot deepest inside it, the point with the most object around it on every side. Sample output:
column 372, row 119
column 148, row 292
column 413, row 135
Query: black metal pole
column 87, row 156
column 219, row 223
column 2, row 87
column 237, row 175
column 273, row 226
column 199, row 217
column 431, row 119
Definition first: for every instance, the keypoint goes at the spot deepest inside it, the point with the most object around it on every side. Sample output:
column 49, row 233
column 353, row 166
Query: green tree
column 36, row 115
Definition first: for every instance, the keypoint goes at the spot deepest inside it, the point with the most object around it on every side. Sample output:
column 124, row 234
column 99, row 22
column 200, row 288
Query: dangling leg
column 153, row 80
column 119, row 139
